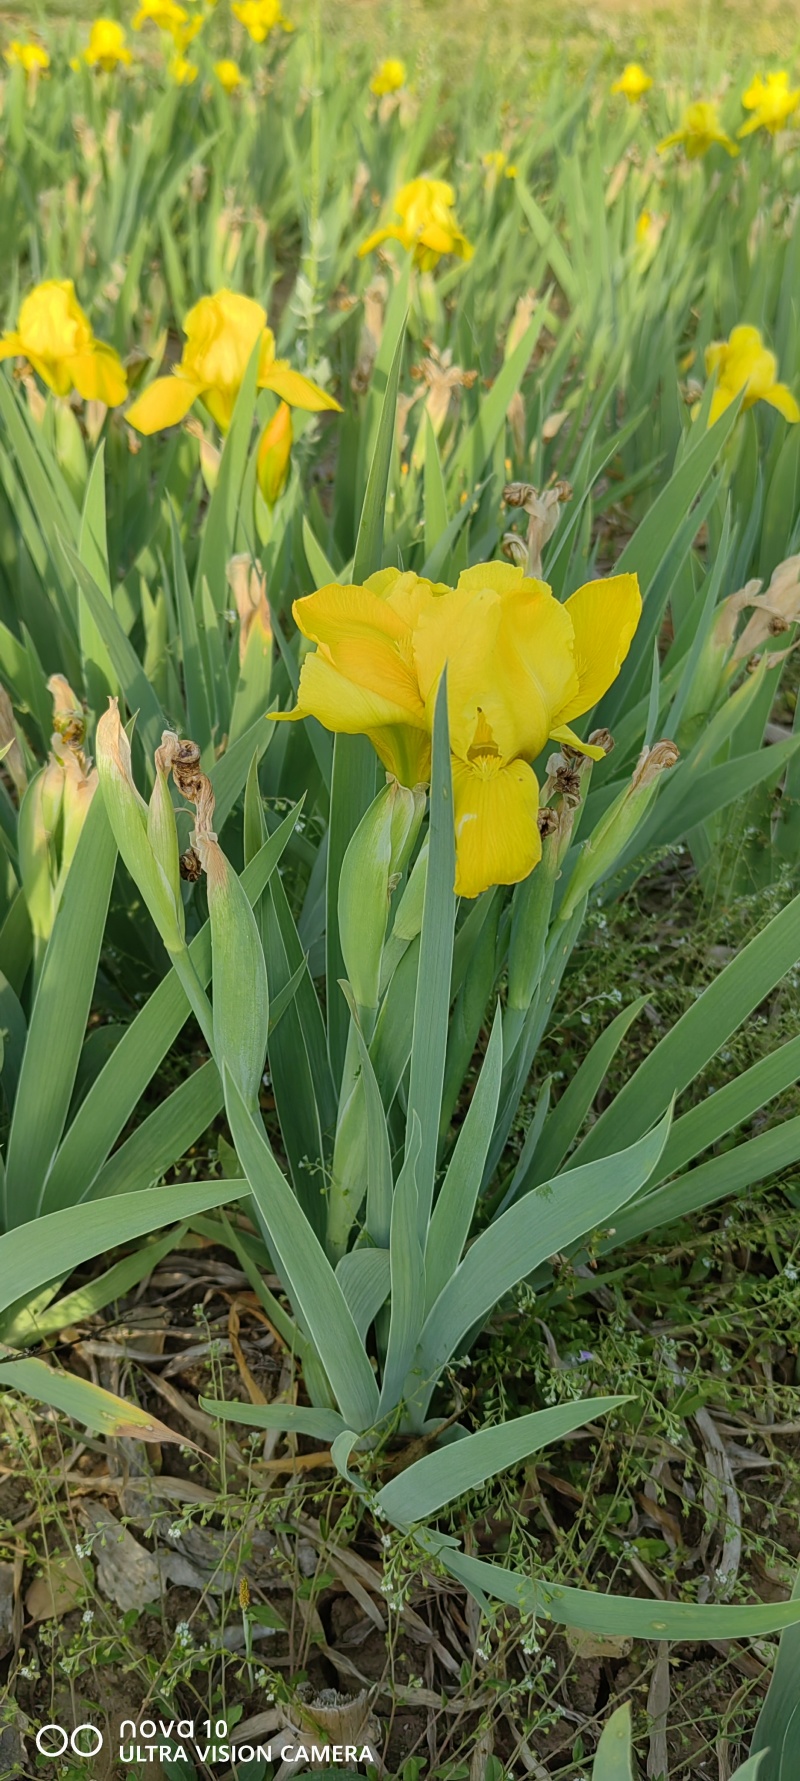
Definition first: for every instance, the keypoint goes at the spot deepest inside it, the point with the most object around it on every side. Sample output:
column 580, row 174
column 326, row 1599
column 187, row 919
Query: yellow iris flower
column 700, row 131
column 771, row 101
column 182, row 71
column 520, row 667
column 389, row 77
column 496, row 162
column 167, row 15
column 744, row 363
column 633, row 82
column 429, row 224
column 221, row 333
column 259, row 17
column 229, row 75
column 107, row 48
column 30, row 56
column 55, row 336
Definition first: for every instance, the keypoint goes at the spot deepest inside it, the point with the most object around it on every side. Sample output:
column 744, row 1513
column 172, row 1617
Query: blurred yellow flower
column 30, row 56
column 166, row 14
column 229, row 75
column 744, row 363
column 771, row 102
column 107, row 48
column 699, row 132
column 55, row 336
column 274, row 454
column 182, row 71
column 520, row 665
column 429, row 224
column 389, row 77
column 183, row 35
column 633, row 82
column 259, row 17
column 221, row 333
column 644, row 224
column 496, row 162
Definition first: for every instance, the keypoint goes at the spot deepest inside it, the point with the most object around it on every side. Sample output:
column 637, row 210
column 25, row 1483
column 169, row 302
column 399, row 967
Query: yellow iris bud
column 275, row 454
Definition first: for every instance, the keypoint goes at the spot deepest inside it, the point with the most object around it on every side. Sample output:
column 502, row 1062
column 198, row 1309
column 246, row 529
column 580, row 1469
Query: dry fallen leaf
column 60, row 1588
column 587, row 1645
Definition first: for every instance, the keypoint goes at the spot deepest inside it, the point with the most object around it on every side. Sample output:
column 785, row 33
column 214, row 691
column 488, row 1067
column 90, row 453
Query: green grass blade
column 439, row 1478
column 306, row 1270
column 113, row 1096
column 58, row 1022
column 369, row 543
column 78, row 1233
column 432, row 1005
column 219, row 532
column 87, row 1300
column 631, row 1617
column 612, row 1760
column 683, row 1053
column 570, row 1111
column 98, row 671
column 545, row 1221
column 407, row 1272
column 452, row 1213
column 721, row 1178
column 778, row 1725
column 164, row 1137
column 137, row 691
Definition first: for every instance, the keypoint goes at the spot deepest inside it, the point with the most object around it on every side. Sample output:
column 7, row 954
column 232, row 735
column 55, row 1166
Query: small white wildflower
column 87, row 1617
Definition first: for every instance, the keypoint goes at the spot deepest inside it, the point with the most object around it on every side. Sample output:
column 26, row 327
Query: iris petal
column 497, row 835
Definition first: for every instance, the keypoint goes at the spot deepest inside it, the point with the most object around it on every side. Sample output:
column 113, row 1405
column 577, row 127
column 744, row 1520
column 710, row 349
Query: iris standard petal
column 497, row 835
column 604, row 615
column 165, row 403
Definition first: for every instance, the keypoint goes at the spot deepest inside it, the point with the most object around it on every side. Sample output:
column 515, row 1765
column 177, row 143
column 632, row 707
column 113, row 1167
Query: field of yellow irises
column 399, row 586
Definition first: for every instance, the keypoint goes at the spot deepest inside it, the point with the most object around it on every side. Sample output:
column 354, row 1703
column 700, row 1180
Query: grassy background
column 457, row 34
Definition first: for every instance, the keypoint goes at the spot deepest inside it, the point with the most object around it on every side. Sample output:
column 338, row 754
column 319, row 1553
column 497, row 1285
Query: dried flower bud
column 608, row 841
column 129, row 816
column 69, row 716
